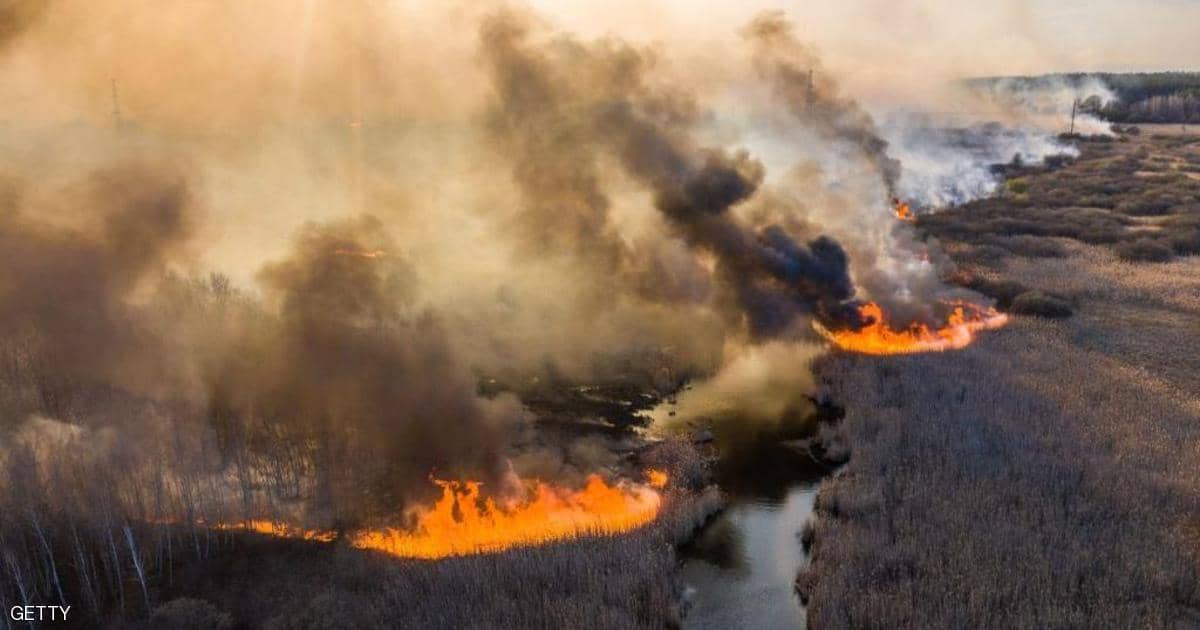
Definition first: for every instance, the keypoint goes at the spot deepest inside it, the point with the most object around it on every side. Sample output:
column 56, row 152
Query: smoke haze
column 340, row 245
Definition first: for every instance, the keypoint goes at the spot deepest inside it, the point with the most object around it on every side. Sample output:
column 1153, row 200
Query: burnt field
column 1046, row 476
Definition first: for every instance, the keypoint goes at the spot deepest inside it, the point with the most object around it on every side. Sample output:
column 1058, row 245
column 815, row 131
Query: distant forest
column 1142, row 97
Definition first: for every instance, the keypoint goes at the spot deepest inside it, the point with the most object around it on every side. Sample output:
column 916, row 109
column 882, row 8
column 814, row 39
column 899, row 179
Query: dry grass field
column 1049, row 475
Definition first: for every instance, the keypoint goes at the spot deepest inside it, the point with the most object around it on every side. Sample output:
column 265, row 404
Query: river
column 740, row 569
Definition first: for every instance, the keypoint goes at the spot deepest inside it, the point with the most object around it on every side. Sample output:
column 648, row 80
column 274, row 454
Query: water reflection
column 740, row 570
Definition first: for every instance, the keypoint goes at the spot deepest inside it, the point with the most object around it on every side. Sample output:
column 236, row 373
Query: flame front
column 463, row 522
column 878, row 337
column 903, row 210
column 282, row 530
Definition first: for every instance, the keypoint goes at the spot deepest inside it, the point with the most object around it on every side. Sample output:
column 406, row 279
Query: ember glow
column 280, row 529
column 878, row 337
column 656, row 478
column 463, row 522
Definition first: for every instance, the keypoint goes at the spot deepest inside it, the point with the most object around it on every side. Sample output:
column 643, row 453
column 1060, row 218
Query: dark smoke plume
column 352, row 363
column 65, row 291
column 16, row 16
column 767, row 278
column 335, row 381
column 813, row 97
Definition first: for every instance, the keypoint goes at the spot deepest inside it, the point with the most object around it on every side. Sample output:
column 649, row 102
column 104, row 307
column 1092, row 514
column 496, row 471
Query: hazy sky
column 964, row 36
column 279, row 86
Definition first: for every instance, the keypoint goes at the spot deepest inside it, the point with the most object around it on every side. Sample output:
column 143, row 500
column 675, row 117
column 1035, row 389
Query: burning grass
column 464, row 522
column 878, row 336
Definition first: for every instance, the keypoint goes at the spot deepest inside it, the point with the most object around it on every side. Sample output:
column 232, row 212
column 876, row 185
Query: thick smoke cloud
column 335, row 380
column 65, row 289
column 767, row 277
column 18, row 15
column 351, row 362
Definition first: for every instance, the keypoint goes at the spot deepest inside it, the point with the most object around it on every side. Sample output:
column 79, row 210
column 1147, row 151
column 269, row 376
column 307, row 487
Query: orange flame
column 878, row 337
column 462, row 522
column 656, row 478
column 282, row 530
column 903, row 210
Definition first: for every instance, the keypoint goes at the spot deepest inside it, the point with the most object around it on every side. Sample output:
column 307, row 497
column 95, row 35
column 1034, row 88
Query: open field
column 1049, row 475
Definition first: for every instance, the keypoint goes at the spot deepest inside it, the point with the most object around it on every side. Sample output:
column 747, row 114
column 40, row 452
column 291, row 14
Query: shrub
column 1003, row 291
column 1040, row 304
column 1033, row 247
column 1146, row 207
column 1018, row 186
column 986, row 253
column 1186, row 243
column 1100, row 235
column 1144, row 250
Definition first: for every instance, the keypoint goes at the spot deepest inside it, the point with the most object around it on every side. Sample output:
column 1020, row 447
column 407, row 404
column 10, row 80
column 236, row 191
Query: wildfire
column 282, row 530
column 878, row 337
column 463, row 522
column 903, row 210
column 656, row 478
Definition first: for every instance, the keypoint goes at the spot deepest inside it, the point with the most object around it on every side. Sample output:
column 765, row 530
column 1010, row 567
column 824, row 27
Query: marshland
column 529, row 315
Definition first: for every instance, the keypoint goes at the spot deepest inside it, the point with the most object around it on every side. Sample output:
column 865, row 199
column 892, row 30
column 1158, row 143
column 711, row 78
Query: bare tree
column 137, row 564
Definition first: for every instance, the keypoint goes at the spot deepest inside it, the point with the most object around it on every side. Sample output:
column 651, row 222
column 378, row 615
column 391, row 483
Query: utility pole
column 116, row 105
column 1074, row 106
column 812, row 91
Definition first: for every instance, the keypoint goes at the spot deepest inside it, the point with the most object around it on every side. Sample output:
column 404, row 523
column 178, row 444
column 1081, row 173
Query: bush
column 186, row 613
column 1100, row 235
column 1003, row 291
column 1040, row 304
column 1032, row 246
column 1146, row 207
column 986, row 253
column 1018, row 186
column 1145, row 250
column 1186, row 243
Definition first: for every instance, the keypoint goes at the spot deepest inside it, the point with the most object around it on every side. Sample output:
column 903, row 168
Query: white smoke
column 1047, row 101
column 950, row 165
